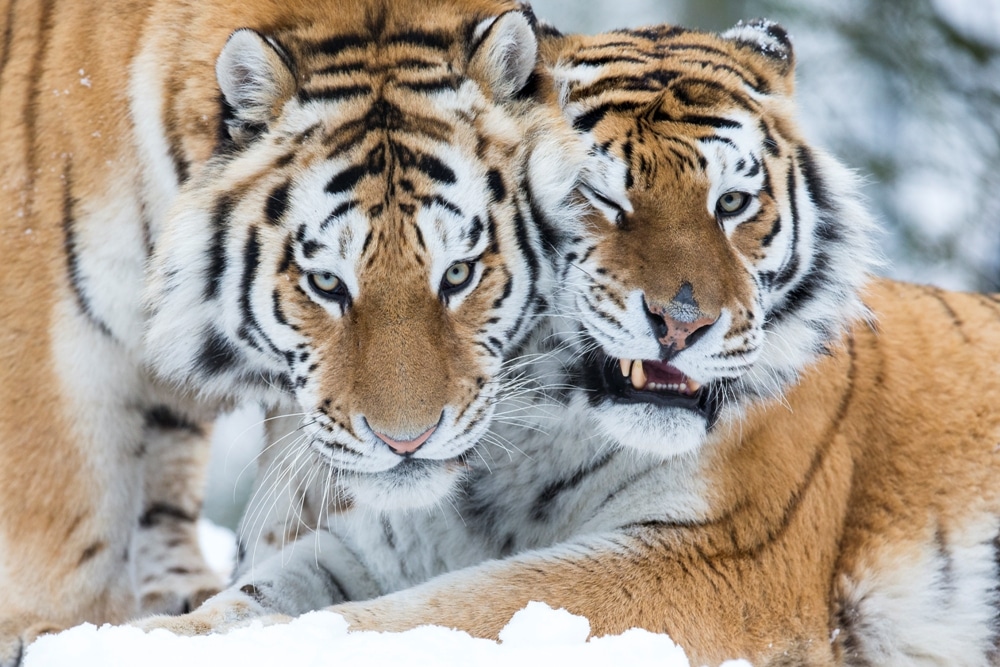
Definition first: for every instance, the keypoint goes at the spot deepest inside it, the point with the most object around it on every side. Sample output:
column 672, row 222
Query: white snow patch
column 536, row 635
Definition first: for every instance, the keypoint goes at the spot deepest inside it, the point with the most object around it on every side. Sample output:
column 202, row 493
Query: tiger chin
column 801, row 460
column 329, row 208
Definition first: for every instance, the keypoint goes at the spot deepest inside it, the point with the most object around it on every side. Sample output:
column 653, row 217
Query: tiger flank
column 326, row 207
column 783, row 469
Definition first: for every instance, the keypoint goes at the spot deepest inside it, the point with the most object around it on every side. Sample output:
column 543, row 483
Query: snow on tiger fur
column 328, row 207
column 762, row 450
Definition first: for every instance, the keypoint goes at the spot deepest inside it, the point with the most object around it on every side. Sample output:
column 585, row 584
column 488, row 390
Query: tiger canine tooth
column 626, row 366
column 638, row 375
column 693, row 386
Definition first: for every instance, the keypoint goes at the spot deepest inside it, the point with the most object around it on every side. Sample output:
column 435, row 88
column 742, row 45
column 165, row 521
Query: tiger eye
column 732, row 203
column 326, row 283
column 458, row 274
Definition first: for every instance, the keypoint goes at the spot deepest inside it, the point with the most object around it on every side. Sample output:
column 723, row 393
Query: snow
column 537, row 634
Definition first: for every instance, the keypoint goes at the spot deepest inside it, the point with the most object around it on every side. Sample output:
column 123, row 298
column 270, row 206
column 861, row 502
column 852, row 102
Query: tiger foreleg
column 172, row 575
column 618, row 584
column 312, row 573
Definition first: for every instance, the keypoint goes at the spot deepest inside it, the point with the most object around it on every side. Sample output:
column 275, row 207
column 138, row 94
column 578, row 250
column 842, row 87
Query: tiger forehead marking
column 398, row 216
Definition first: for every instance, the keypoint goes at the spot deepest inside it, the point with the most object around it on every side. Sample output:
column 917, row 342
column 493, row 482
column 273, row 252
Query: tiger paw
column 178, row 592
column 227, row 611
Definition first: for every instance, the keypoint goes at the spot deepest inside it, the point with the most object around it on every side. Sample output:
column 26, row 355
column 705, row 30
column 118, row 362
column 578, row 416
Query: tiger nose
column 406, row 447
column 679, row 323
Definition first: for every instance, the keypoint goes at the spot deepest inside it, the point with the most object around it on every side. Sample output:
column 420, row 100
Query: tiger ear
column 768, row 43
column 255, row 77
column 505, row 53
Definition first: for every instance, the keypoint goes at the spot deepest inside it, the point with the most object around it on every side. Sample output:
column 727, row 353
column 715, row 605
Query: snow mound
column 537, row 634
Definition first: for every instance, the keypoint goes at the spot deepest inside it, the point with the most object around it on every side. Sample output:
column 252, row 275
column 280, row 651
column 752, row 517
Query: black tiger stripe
column 551, row 238
column 287, row 255
column 434, row 169
column 645, row 82
column 716, row 139
column 474, row 231
column 335, row 589
column 699, row 48
column 367, row 242
column 217, row 247
column 814, row 281
column 90, row 552
column 217, row 354
column 336, row 213
column 690, row 91
column 175, row 147
column 436, row 40
column 989, row 301
column 77, row 280
column 309, row 247
column 655, row 33
column 155, row 513
column 347, row 179
column 333, row 93
column 957, row 321
column 337, row 44
column 486, row 347
column 251, row 262
column 416, row 63
column 528, row 252
column 791, row 266
column 770, row 145
column 587, row 121
column 605, row 317
column 746, row 78
column 438, row 200
column 445, row 83
column 5, row 47
column 628, row 151
column 711, row 121
column 527, row 248
column 542, row 505
column 766, row 240
column 163, row 418
column 345, row 68
column 491, row 232
column 277, row 203
column 815, row 185
column 597, row 61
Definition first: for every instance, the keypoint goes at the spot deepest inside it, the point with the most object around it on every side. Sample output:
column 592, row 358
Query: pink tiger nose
column 404, row 447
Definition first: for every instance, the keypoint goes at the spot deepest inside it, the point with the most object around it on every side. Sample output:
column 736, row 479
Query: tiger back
column 329, row 208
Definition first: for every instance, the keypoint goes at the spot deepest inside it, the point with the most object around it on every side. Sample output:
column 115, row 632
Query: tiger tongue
column 662, row 373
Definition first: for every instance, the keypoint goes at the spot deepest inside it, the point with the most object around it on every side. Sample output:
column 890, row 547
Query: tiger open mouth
column 656, row 382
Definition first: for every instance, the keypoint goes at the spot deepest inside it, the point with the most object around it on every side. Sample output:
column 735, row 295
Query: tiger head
column 723, row 254
column 365, row 248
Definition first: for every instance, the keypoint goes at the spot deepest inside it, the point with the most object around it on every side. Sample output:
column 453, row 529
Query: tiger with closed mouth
column 331, row 208
column 795, row 461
